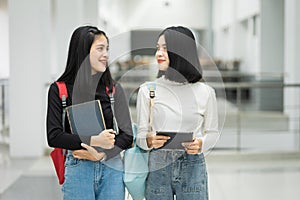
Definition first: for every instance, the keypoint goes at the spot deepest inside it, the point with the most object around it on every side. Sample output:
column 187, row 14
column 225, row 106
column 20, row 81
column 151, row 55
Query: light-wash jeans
column 176, row 173
column 88, row 180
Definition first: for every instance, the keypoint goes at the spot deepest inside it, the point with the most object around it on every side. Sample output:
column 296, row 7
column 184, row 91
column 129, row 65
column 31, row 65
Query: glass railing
column 259, row 115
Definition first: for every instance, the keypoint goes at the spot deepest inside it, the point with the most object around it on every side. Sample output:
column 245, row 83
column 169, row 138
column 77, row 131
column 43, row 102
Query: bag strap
column 62, row 89
column 63, row 95
column 151, row 88
column 111, row 94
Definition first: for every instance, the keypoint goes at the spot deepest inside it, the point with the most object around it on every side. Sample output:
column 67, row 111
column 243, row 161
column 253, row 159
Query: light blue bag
column 135, row 169
column 136, row 159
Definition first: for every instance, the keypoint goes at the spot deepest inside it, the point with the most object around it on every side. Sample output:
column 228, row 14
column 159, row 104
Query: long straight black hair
column 78, row 65
column 183, row 55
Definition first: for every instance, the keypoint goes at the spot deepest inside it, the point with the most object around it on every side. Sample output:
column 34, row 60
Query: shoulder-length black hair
column 182, row 51
column 78, row 65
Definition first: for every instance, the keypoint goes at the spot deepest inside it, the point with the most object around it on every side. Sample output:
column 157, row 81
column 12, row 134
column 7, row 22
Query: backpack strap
column 152, row 88
column 63, row 95
column 62, row 89
column 110, row 94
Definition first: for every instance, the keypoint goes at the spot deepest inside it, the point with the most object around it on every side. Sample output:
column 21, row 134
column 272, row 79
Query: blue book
column 86, row 119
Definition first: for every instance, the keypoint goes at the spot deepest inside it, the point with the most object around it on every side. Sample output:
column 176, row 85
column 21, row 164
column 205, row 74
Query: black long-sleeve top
column 64, row 139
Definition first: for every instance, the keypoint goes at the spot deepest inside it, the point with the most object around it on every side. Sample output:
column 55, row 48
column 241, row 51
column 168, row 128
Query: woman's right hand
column 89, row 153
column 105, row 139
column 156, row 141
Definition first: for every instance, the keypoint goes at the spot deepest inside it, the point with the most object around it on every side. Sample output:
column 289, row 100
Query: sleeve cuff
column 86, row 140
column 142, row 143
column 104, row 158
column 202, row 138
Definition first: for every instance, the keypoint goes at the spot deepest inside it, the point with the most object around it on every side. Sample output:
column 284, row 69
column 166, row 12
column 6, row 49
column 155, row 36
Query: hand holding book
column 193, row 147
column 105, row 139
column 88, row 153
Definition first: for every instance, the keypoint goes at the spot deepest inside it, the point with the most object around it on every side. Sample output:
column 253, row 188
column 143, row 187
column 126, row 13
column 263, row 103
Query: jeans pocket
column 72, row 162
column 194, row 164
column 194, row 176
column 195, row 158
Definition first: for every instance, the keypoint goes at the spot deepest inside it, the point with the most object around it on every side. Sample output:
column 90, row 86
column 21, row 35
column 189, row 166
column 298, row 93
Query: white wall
column 192, row 13
column 246, row 8
column 272, row 36
column 113, row 15
column 234, row 37
column 292, row 41
column 4, row 37
column 248, row 45
column 228, row 13
column 67, row 16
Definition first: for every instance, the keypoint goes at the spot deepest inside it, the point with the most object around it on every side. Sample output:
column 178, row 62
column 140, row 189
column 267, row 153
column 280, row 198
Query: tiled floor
column 259, row 177
column 232, row 176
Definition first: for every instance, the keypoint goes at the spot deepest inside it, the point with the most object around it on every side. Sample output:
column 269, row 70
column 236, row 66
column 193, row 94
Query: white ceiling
column 124, row 15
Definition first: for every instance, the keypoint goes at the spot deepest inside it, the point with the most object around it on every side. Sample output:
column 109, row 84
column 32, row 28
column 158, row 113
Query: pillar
column 29, row 53
column 292, row 66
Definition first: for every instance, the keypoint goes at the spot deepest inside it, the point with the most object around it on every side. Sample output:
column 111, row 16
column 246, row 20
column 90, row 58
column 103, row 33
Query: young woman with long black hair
column 90, row 174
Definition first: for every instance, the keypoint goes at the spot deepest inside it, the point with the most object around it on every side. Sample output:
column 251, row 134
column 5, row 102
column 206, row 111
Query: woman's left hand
column 193, row 147
column 89, row 153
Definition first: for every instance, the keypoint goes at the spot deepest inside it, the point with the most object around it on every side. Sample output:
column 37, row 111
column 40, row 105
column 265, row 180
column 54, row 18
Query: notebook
column 86, row 119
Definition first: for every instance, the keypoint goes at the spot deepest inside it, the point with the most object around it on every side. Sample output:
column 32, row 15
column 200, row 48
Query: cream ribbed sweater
column 179, row 107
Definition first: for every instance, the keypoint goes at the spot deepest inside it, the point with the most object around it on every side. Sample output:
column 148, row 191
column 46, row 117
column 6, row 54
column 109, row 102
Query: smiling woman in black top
column 86, row 76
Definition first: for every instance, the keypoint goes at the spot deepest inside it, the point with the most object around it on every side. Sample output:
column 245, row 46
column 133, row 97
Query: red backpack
column 58, row 155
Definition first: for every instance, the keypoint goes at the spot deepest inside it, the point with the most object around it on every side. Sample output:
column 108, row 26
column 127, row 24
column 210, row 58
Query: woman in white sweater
column 181, row 104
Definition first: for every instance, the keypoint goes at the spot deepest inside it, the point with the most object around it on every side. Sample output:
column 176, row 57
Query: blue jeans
column 176, row 173
column 88, row 180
